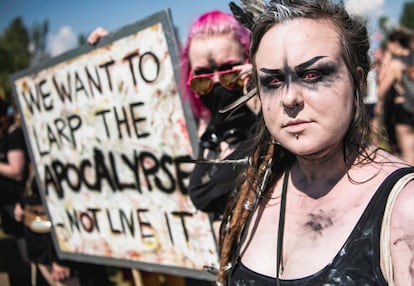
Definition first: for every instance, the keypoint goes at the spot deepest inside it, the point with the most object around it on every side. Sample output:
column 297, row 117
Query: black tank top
column 358, row 261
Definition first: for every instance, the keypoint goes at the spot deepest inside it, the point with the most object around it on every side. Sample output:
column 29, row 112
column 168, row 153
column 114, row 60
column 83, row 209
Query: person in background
column 13, row 175
column 313, row 197
column 215, row 60
column 396, row 94
column 384, row 113
column 46, row 267
column 377, row 133
column 217, row 37
column 215, row 72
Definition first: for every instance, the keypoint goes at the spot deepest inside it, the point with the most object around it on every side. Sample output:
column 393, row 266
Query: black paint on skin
column 318, row 222
column 303, row 74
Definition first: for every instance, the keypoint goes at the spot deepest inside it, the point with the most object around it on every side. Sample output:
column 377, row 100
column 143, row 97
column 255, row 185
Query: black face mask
column 231, row 126
column 219, row 97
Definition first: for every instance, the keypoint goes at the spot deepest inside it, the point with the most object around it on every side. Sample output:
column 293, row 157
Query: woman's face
column 305, row 88
column 214, row 53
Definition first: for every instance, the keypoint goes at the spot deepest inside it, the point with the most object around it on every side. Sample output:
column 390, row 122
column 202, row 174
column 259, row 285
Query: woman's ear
column 360, row 72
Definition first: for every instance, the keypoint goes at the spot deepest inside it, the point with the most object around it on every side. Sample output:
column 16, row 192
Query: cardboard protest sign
column 108, row 132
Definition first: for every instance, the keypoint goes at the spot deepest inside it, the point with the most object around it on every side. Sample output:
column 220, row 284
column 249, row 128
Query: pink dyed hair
column 211, row 23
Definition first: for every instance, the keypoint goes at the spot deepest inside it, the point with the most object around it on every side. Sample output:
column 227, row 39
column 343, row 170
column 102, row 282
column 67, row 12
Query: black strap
column 282, row 214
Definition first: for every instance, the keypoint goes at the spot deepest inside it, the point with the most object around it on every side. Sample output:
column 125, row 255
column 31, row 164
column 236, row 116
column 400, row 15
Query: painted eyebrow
column 299, row 68
column 303, row 66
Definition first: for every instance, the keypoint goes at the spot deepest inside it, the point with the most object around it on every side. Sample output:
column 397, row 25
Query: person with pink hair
column 201, row 42
column 215, row 72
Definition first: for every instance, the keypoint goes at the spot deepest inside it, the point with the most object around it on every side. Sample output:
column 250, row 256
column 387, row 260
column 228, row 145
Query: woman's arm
column 96, row 35
column 385, row 82
column 15, row 167
column 388, row 78
column 402, row 237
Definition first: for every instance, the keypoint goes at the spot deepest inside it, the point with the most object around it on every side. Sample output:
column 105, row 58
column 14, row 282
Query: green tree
column 81, row 39
column 15, row 55
column 38, row 38
column 383, row 24
column 407, row 15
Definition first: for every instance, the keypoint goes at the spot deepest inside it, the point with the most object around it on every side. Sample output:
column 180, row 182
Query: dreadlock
column 272, row 160
column 236, row 221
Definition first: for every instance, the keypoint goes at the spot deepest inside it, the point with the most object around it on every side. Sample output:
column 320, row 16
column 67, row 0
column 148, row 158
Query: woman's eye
column 271, row 82
column 311, row 76
column 275, row 82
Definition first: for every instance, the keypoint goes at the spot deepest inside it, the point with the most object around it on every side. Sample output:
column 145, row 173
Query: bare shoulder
column 397, row 65
column 405, row 200
column 402, row 236
column 403, row 207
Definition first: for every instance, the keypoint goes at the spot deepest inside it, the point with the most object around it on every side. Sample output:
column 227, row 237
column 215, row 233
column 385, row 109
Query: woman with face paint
column 312, row 200
column 215, row 71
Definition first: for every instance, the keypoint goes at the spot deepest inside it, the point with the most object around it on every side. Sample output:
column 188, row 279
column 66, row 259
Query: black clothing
column 13, row 263
column 212, row 184
column 219, row 97
column 357, row 262
column 401, row 113
column 232, row 127
column 39, row 245
column 389, row 116
column 402, row 116
column 11, row 191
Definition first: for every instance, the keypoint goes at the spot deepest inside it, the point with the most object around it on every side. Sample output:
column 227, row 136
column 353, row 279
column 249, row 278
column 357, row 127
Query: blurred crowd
column 391, row 94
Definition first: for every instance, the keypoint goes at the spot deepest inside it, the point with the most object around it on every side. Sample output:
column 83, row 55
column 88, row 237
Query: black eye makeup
column 321, row 72
column 272, row 80
column 309, row 74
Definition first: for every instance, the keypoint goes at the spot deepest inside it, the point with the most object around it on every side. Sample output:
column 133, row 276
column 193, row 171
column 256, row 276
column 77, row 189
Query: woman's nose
column 216, row 77
column 292, row 98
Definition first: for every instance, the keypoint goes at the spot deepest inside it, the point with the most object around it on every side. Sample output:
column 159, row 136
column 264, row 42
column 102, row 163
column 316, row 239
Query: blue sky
column 67, row 19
